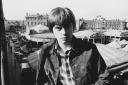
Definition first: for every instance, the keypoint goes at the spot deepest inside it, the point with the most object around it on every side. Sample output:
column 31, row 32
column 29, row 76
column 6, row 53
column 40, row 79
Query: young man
column 67, row 60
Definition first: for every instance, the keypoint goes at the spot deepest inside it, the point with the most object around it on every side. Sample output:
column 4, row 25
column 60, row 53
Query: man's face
column 63, row 34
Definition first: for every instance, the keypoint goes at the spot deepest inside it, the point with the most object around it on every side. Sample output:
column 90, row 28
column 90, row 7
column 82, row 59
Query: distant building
column 101, row 23
column 17, row 25
column 32, row 20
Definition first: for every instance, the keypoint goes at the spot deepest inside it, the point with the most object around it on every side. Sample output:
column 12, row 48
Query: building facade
column 101, row 23
column 32, row 20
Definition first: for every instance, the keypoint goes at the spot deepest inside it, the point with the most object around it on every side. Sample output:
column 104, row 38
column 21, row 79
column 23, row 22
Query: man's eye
column 59, row 28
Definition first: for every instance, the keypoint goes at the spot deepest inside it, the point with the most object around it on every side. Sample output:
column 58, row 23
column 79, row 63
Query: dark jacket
column 86, row 63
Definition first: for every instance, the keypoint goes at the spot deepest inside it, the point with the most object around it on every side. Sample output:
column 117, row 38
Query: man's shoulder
column 83, row 43
column 48, row 45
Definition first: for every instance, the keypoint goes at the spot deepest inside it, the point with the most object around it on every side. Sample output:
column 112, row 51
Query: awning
column 112, row 56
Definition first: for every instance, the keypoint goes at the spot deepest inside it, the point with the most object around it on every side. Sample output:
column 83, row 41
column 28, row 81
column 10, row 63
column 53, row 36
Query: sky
column 87, row 9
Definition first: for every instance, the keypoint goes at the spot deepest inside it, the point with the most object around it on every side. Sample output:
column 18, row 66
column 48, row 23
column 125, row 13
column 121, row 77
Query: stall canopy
column 39, row 37
column 118, row 44
column 85, row 33
column 39, row 28
column 112, row 56
column 116, row 33
column 114, row 44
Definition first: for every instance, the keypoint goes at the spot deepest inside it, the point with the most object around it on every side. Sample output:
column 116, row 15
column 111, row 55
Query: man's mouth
column 64, row 38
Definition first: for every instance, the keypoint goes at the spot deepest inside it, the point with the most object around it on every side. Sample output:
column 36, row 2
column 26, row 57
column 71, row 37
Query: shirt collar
column 74, row 50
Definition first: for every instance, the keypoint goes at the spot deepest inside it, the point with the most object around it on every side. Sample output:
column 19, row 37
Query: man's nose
column 63, row 31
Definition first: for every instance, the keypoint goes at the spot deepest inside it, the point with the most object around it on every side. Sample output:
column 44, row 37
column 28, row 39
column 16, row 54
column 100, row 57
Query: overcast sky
column 87, row 9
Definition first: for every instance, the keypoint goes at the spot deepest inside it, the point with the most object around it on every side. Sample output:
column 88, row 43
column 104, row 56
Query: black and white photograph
column 64, row 42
